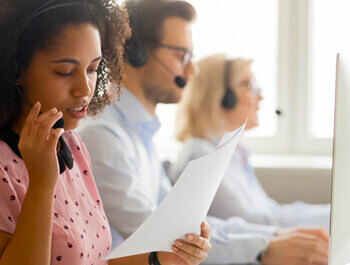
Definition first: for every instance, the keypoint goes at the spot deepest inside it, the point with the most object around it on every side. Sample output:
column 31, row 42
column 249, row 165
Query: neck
column 135, row 86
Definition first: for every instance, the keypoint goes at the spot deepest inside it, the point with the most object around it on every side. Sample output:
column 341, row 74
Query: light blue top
column 241, row 194
column 132, row 182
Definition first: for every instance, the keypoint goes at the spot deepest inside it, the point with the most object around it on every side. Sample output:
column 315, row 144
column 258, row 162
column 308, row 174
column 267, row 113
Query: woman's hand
column 38, row 144
column 191, row 251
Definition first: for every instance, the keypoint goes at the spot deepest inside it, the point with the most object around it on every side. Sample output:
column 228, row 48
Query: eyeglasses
column 252, row 86
column 185, row 58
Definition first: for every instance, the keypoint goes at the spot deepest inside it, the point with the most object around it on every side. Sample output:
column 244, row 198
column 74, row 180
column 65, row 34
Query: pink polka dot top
column 81, row 233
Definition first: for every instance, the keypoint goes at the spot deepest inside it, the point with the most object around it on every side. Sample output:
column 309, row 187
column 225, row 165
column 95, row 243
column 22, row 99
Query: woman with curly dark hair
column 58, row 59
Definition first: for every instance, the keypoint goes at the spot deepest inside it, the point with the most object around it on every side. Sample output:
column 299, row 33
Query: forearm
column 31, row 241
column 235, row 241
column 131, row 260
column 299, row 213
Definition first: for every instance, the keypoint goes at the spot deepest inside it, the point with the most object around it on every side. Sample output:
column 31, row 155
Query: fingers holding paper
column 194, row 249
column 190, row 251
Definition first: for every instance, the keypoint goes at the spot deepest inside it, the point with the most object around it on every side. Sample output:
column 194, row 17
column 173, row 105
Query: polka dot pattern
column 81, row 233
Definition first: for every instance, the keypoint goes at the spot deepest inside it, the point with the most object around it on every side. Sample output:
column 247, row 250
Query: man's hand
column 296, row 248
column 320, row 232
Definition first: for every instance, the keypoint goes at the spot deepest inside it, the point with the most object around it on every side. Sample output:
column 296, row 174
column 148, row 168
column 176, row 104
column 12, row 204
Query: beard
column 160, row 94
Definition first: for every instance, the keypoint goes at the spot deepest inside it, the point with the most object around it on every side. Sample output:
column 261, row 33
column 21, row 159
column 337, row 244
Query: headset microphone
column 178, row 80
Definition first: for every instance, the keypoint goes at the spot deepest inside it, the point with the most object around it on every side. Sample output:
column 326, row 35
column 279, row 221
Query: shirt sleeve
column 12, row 193
column 300, row 213
column 235, row 241
column 126, row 204
column 273, row 213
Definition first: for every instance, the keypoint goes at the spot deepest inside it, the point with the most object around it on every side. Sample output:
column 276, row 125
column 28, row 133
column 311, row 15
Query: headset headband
column 227, row 73
column 46, row 7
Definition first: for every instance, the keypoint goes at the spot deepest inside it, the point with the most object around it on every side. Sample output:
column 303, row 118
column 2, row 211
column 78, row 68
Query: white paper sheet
column 186, row 205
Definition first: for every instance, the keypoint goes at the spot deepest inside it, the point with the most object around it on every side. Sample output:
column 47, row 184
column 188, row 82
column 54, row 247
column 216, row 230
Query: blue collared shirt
column 126, row 167
column 241, row 187
column 132, row 182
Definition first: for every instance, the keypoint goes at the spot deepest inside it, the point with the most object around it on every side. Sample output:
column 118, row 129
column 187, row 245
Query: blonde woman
column 219, row 99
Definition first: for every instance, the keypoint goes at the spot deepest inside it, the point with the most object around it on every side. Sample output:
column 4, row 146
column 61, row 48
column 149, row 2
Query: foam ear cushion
column 229, row 101
column 136, row 53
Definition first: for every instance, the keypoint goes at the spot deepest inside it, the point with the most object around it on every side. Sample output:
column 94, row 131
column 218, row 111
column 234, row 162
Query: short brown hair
column 148, row 16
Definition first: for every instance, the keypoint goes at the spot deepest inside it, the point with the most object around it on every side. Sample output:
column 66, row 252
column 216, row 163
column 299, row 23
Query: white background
column 294, row 45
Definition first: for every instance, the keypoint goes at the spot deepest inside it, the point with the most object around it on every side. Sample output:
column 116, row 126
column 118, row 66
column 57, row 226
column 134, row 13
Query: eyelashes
column 71, row 73
column 63, row 74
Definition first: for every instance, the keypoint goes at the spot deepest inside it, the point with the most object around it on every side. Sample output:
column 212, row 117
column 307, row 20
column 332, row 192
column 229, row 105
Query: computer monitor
column 339, row 253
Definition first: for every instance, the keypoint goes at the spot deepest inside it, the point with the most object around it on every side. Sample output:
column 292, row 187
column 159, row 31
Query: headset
column 136, row 52
column 229, row 100
column 47, row 6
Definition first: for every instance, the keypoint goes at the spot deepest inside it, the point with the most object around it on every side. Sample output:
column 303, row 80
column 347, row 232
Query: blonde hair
column 200, row 108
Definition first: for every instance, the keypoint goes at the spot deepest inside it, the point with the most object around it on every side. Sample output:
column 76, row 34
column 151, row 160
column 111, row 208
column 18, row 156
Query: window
column 235, row 28
column 246, row 29
column 329, row 21
column 294, row 45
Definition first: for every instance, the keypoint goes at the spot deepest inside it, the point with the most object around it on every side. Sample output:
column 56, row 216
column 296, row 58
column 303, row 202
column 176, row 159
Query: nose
column 82, row 87
column 191, row 69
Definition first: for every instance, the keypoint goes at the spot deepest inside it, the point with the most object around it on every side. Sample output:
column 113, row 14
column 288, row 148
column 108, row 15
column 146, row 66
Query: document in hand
column 186, row 205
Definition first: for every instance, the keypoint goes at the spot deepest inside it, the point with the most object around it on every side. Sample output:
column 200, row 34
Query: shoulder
column 11, row 165
column 6, row 152
column 14, row 181
column 106, row 138
column 96, row 130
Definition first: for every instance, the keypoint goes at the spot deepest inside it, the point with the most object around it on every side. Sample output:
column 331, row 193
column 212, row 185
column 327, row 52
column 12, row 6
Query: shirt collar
column 136, row 114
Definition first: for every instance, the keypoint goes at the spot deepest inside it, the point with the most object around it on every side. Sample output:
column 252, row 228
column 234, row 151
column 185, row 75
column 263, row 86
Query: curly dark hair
column 25, row 29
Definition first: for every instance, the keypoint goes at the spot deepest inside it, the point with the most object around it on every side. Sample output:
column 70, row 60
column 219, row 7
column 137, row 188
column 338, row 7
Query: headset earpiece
column 135, row 51
column 229, row 100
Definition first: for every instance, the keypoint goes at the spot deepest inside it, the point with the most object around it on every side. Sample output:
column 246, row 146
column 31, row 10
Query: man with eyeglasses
column 128, row 173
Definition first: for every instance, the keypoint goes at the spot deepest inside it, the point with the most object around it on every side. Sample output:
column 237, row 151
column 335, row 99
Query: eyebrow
column 72, row 61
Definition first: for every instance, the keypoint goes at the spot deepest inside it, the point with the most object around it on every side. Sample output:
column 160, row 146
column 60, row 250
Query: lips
column 78, row 112
column 78, row 109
